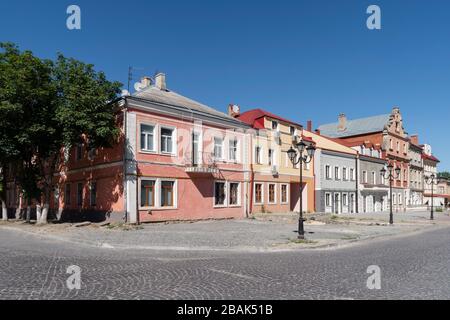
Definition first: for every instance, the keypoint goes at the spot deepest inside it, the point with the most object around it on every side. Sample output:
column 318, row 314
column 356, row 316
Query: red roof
column 250, row 117
column 430, row 157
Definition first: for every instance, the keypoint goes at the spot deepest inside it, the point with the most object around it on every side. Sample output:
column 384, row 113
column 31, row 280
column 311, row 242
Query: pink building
column 177, row 160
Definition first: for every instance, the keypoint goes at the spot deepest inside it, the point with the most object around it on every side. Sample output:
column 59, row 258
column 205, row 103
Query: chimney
column 160, row 81
column 415, row 139
column 146, row 81
column 342, row 125
column 395, row 110
column 318, row 131
column 309, row 126
column 234, row 110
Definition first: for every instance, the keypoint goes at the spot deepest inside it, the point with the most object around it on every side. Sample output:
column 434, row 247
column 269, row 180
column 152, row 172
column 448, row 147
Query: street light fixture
column 302, row 158
column 431, row 180
column 391, row 174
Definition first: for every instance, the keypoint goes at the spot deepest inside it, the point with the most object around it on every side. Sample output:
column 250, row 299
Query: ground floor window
column 272, row 198
column 258, row 193
column 148, row 193
column 345, row 199
column 67, row 195
column 167, row 188
column 93, row 194
column 157, row 193
column 284, row 193
column 234, row 193
column 219, row 194
column 79, row 194
column 328, row 199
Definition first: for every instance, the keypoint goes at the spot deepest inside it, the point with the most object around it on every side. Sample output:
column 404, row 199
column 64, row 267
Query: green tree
column 444, row 174
column 47, row 106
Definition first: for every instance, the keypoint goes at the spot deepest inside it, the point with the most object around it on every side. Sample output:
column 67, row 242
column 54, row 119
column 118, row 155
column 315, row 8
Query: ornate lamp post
column 391, row 174
column 302, row 158
column 431, row 180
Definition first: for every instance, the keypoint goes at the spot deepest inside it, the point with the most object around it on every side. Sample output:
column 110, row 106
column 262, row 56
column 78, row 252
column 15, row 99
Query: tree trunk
column 19, row 207
column 4, row 211
column 28, row 213
column 44, row 215
column 38, row 212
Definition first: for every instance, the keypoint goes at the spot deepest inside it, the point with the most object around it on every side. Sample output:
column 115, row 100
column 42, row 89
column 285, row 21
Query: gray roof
column 154, row 94
column 356, row 127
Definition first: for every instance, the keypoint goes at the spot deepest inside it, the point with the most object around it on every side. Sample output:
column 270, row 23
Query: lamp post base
column 301, row 229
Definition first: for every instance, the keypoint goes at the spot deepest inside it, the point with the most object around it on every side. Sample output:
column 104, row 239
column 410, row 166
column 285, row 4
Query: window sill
column 157, row 208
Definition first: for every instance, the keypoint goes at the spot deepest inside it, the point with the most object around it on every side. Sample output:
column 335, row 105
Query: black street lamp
column 431, row 180
column 292, row 154
column 391, row 174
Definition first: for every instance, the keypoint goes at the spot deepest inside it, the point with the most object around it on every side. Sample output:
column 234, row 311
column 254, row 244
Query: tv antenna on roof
column 130, row 75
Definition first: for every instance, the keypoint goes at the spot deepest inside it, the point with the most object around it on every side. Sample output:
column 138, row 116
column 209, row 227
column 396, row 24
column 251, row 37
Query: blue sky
column 300, row 59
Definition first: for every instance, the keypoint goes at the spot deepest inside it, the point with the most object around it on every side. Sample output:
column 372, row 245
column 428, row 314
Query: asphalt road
column 412, row 267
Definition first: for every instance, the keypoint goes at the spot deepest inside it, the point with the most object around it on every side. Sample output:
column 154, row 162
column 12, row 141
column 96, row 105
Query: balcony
column 200, row 163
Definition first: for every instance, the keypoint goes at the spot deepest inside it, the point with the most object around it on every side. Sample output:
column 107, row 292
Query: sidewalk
column 274, row 232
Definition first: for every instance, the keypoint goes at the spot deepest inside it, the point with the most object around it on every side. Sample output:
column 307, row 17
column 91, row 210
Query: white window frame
column 262, row 193
column 274, row 193
column 228, row 191
column 328, row 176
column 225, row 204
column 221, row 157
column 287, row 193
column 365, row 177
column 236, row 152
column 345, row 173
column 271, row 157
column 260, row 160
column 346, row 197
column 157, row 205
column 155, row 140
column 329, row 205
column 351, row 172
column 374, row 177
column 174, row 139
column 337, row 170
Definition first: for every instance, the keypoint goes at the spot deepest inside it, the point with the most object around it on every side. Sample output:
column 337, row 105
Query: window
column 167, row 140
column 344, row 173
column 258, row 193
column 67, row 194
column 391, row 144
column 271, row 157
column 327, row 172
column 233, row 147
column 284, row 193
column 398, row 146
column 258, row 155
column 292, row 130
column 148, row 193
column 274, row 125
column 167, row 190
column 219, row 194
column 328, row 199
column 394, row 199
column 79, row 152
column 272, row 191
column 382, row 179
column 79, row 194
column 345, row 199
column 364, row 176
column 218, row 148
column 374, row 178
column 400, row 200
column 147, row 137
column 93, row 194
column 234, row 194
column 336, row 173
column 352, row 174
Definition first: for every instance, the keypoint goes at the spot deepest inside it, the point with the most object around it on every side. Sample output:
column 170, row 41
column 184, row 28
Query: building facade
column 335, row 175
column 386, row 131
column 416, row 172
column 430, row 163
column 275, row 182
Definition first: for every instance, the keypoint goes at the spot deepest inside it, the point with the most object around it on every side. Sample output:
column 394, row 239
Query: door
column 337, row 203
column 195, row 149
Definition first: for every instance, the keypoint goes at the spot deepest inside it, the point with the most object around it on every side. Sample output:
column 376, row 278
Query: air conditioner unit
column 274, row 170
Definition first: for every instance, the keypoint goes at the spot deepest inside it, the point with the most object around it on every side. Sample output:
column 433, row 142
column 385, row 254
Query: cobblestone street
column 413, row 266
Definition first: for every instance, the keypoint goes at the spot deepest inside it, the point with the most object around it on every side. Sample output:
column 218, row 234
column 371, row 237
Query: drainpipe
column 124, row 175
column 357, row 183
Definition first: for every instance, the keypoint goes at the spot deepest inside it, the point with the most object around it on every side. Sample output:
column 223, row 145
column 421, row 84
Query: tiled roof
column 251, row 116
column 430, row 157
column 356, row 127
column 172, row 98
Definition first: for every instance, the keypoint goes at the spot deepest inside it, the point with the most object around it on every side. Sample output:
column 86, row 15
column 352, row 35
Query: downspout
column 357, row 183
column 124, row 156
column 252, row 179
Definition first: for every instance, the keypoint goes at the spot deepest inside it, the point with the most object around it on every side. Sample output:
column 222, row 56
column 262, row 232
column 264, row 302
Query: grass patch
column 302, row 241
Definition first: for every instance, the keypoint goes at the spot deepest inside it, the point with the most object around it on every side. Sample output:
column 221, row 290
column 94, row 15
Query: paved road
column 415, row 267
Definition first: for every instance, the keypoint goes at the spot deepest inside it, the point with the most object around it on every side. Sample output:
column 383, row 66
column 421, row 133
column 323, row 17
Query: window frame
column 274, row 193
column 262, row 193
column 173, row 137
column 155, row 140
column 225, row 198
column 286, row 201
column 238, row 204
column 221, row 157
column 93, row 186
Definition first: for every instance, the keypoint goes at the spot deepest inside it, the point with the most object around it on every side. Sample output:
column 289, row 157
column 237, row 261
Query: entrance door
column 337, row 203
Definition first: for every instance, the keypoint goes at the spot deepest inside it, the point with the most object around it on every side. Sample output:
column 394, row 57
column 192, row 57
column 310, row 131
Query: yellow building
column 275, row 181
